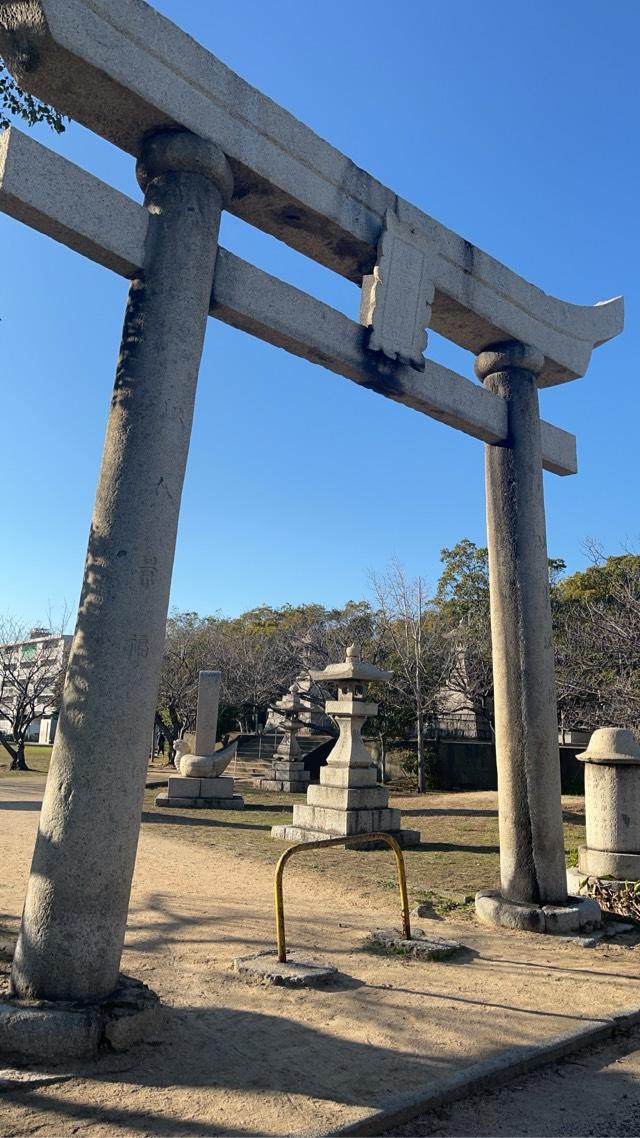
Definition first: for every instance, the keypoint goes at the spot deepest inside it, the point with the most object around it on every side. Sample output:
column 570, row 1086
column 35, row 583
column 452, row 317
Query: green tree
column 597, row 636
column 463, row 585
column 464, row 619
column 186, row 653
column 409, row 650
column 463, row 612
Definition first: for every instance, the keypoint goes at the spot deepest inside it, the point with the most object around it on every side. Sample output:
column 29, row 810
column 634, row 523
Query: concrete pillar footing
column 234, row 802
column 578, row 914
column 422, row 946
column 45, row 1031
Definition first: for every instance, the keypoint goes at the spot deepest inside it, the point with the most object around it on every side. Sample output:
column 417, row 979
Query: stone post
column 75, row 912
column 532, row 860
column 612, row 807
column 207, row 712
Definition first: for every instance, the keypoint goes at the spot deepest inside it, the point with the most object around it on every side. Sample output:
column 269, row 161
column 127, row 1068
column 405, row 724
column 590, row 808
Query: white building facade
column 36, row 664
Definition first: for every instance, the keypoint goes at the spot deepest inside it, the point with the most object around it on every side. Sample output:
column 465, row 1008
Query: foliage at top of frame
column 18, row 103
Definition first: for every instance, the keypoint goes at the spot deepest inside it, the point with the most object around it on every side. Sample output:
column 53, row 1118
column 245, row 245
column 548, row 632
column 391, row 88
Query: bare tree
column 32, row 667
column 187, row 651
column 404, row 619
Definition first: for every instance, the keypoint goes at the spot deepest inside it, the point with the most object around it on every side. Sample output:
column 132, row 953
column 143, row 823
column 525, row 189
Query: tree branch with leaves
column 18, row 104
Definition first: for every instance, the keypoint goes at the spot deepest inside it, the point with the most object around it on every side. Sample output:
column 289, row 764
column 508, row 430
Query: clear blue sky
column 514, row 124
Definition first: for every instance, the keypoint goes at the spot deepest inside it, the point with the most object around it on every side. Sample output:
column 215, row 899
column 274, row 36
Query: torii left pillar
column 75, row 913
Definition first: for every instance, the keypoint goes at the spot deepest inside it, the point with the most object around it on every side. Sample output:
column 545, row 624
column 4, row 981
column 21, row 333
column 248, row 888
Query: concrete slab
column 280, row 786
column 44, row 1032
column 296, row 972
column 404, row 838
column 580, row 914
column 421, row 945
column 235, row 803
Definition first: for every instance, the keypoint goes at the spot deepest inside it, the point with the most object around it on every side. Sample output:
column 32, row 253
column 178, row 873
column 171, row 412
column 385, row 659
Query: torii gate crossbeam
column 59, row 198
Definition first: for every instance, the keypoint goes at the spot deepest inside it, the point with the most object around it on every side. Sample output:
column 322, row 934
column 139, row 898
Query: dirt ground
column 230, row 1057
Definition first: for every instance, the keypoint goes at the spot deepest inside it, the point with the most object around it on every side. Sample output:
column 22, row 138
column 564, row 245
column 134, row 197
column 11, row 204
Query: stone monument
column 201, row 782
column 348, row 799
column 204, row 140
column 288, row 771
column 612, row 807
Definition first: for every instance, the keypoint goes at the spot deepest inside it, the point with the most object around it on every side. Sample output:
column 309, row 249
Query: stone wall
column 461, row 764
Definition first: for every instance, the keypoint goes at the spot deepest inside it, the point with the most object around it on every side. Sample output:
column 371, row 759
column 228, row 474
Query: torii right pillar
column 533, row 892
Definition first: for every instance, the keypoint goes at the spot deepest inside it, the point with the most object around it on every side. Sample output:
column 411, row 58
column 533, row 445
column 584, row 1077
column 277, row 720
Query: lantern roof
column 352, row 668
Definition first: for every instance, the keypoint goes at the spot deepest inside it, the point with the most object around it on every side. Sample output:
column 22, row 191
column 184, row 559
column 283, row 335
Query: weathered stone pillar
column 75, row 913
column 531, row 839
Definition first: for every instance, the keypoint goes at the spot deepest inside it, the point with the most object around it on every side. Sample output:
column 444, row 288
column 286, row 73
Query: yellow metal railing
column 352, row 839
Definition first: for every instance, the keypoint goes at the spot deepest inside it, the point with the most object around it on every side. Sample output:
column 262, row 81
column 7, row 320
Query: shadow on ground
column 227, row 1050
column 21, row 805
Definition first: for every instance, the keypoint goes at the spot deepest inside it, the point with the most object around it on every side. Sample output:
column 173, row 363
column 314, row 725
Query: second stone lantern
column 348, row 799
column 288, row 771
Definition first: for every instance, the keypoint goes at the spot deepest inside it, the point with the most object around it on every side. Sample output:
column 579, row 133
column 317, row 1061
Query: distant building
column 36, row 661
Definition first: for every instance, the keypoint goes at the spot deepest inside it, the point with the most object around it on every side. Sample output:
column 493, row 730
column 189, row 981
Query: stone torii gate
column 204, row 141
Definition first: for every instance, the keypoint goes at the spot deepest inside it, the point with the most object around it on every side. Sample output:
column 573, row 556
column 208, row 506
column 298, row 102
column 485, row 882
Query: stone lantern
column 612, row 806
column 288, row 771
column 348, row 799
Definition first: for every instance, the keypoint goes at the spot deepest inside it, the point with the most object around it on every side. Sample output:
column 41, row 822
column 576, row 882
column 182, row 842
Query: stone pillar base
column 234, row 803
column 201, row 794
column 289, row 777
column 609, row 863
column 579, row 883
column 44, row 1031
column 280, row 785
column 578, row 915
column 404, row 838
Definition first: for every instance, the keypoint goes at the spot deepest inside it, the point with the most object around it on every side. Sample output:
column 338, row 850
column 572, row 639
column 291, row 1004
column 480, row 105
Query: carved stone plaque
column 397, row 296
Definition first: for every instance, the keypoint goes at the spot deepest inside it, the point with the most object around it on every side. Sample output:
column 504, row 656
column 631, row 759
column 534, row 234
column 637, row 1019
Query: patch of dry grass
column 458, row 854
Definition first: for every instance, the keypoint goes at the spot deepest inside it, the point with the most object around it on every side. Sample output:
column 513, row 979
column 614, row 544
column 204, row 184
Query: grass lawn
column 458, row 853
column 37, row 759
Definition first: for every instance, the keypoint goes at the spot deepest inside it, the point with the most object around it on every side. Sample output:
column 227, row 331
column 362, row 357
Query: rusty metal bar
column 360, row 839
